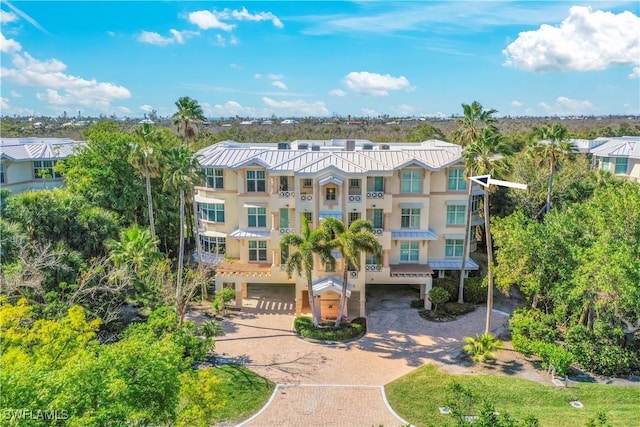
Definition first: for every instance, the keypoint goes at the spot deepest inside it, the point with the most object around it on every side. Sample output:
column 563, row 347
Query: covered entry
column 270, row 298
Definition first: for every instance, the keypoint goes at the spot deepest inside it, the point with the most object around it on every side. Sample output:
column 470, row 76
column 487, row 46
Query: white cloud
column 369, row 112
column 275, row 76
column 279, row 84
column 206, row 20
column 257, row 76
column 62, row 89
column 585, row 41
column 6, row 108
column 146, row 108
column 244, row 15
column 4, row 104
column 233, row 108
column 233, row 40
column 516, row 103
column 15, row 94
column 154, row 38
column 9, row 45
column 374, row 84
column 635, row 73
column 337, row 92
column 220, row 40
column 564, row 106
column 6, row 17
column 123, row 110
column 181, row 36
column 298, row 108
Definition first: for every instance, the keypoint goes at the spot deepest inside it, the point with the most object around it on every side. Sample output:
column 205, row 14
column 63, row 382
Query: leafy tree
column 145, row 159
column 472, row 124
column 189, row 114
column 351, row 242
column 200, row 398
column 486, row 156
column 552, row 148
column 307, row 244
column 182, row 174
column 425, row 132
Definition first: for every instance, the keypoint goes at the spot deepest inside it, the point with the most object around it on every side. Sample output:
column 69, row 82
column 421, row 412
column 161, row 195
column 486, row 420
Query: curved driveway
column 341, row 384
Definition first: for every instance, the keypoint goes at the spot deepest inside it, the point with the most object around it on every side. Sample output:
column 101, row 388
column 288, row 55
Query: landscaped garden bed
column 347, row 331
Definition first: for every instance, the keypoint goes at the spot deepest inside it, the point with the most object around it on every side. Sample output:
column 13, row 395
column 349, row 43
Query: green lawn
column 245, row 392
column 417, row 396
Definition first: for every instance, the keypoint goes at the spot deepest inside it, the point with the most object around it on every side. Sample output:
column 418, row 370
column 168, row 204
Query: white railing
column 287, row 230
column 375, row 194
column 286, row 194
column 353, row 274
column 355, row 198
column 372, row 267
column 378, row 231
column 306, row 197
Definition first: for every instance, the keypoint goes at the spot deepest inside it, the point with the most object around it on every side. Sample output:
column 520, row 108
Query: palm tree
column 553, row 147
column 188, row 115
column 472, row 123
column 351, row 242
column 486, row 156
column 182, row 174
column 307, row 243
column 135, row 249
column 145, row 162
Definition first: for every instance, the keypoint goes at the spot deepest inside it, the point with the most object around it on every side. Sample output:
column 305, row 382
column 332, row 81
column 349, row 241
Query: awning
column 333, row 179
column 454, row 236
column 457, row 202
column 250, row 234
column 201, row 199
column 330, row 214
column 412, row 205
column 477, row 221
column 452, row 264
column 255, row 205
column 413, row 235
column 331, row 283
column 213, row 234
column 477, row 191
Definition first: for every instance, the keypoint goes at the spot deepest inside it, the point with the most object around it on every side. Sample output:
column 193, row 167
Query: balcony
column 353, row 274
column 306, row 197
column 373, row 267
column 355, row 198
column 285, row 194
column 375, row 194
column 287, row 230
column 378, row 231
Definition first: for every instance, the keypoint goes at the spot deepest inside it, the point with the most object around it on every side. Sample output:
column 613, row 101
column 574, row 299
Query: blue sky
column 364, row 59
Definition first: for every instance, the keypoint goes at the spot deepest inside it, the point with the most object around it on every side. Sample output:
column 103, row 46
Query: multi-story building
column 28, row 163
column 415, row 194
column 618, row 155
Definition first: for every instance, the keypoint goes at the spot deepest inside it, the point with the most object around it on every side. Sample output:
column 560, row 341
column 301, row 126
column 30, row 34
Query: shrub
column 475, row 290
column 222, row 298
column 533, row 325
column 417, row 303
column 554, row 355
column 355, row 328
column 449, row 284
column 438, row 296
column 482, row 347
column 455, row 309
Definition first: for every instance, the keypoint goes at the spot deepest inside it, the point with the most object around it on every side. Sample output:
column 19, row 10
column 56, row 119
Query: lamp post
column 486, row 181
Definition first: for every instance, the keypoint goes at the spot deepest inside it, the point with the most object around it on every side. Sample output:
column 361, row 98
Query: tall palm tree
column 470, row 126
column 306, row 244
column 182, row 174
column 552, row 148
column 136, row 249
column 488, row 155
column 351, row 242
column 144, row 160
column 188, row 115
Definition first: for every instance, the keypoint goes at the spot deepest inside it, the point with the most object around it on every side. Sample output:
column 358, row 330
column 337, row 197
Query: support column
column 427, row 288
column 385, row 258
column 274, row 252
column 387, row 222
column 241, row 292
column 274, row 220
column 363, row 301
column 299, row 300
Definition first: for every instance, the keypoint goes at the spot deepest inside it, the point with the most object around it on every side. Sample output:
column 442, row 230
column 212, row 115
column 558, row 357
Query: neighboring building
column 414, row 194
column 28, row 163
column 618, row 155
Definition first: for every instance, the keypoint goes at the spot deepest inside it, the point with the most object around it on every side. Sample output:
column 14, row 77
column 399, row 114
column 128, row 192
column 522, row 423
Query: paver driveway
column 341, row 384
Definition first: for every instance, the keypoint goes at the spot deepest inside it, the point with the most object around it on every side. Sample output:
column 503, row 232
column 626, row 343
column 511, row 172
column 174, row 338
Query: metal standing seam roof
column 24, row 149
column 619, row 147
column 452, row 264
column 413, row 235
column 241, row 233
column 231, row 155
column 330, row 283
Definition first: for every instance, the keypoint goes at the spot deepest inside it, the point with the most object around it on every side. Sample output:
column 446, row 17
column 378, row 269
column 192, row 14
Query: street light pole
column 486, row 181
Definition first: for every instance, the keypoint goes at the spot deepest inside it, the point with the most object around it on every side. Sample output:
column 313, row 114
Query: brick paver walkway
column 341, row 384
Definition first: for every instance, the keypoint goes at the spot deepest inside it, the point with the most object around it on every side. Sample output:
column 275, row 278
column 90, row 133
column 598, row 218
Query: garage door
column 271, row 298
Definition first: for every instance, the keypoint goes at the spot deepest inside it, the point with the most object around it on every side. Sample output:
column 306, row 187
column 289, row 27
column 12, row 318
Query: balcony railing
column 375, row 194
column 284, row 230
column 372, row 267
column 353, row 274
column 378, row 231
column 355, row 198
column 285, row 194
column 306, row 197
